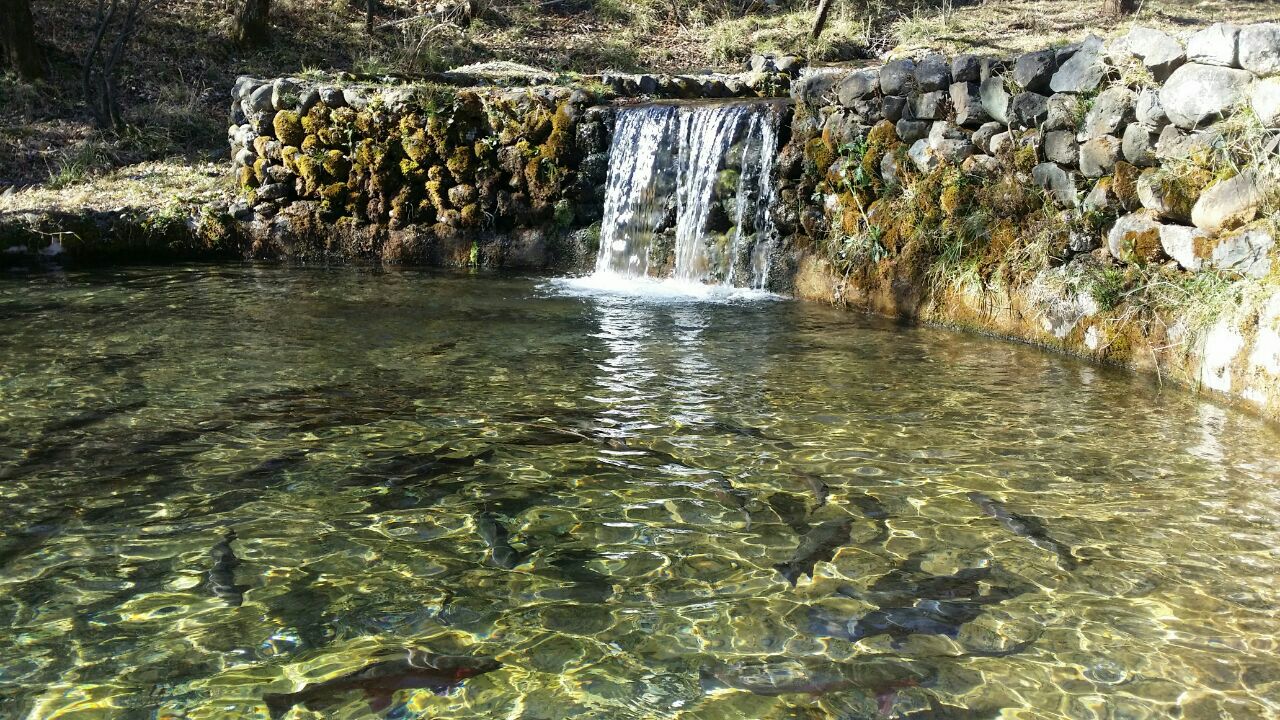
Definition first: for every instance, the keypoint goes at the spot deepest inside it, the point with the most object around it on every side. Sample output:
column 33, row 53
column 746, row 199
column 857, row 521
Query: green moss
column 260, row 169
column 336, row 164
column 435, row 191
column 310, row 143
column 289, row 155
column 564, row 214
column 247, row 179
column 316, row 119
column 818, row 157
column 1124, row 185
column 417, row 147
column 311, row 170
column 1025, row 158
column 288, row 128
column 471, row 215
column 461, row 164
column 1181, row 189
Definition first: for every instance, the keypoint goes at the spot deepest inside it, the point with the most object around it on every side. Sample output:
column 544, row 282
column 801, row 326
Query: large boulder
column 933, row 73
column 1159, row 52
column 1259, row 48
column 1265, row 98
column 1058, row 184
column 898, row 77
column 930, row 105
column 1098, row 156
column 858, row 86
column 967, row 102
column 1084, row 71
column 1197, row 94
column 1184, row 244
column 1228, row 204
column 1247, row 252
column 1032, row 71
column 1111, row 111
column 966, row 68
column 995, row 99
column 1028, row 109
column 1214, row 45
column 1135, row 237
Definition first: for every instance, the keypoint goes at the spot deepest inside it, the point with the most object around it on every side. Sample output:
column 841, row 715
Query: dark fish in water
column 380, row 681
column 905, row 584
column 928, row 617
column 871, row 508
column 881, row 678
column 939, row 711
column 93, row 417
column 271, row 468
column 547, row 437
column 495, row 536
column 814, row 484
column 791, row 510
column 581, row 583
column 412, row 467
column 816, row 545
column 1028, row 527
column 222, row 576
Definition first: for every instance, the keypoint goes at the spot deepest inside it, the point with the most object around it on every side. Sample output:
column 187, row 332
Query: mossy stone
column 336, row 164
column 288, row 126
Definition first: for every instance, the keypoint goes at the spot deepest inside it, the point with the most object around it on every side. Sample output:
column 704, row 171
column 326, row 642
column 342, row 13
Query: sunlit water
column 653, row 456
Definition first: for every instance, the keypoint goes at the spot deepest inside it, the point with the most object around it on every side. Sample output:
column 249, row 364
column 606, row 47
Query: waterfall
column 689, row 192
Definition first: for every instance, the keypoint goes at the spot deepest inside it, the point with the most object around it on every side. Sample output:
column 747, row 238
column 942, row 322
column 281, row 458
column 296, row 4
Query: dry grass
column 146, row 185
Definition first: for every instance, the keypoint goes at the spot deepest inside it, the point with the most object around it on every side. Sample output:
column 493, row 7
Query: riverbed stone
column 910, row 131
column 982, row 136
column 1058, row 184
column 1111, row 111
column 259, row 100
column 1214, row 45
column 1259, row 48
column 1101, row 198
column 1197, row 94
column 1098, row 155
column 1063, row 111
column 1060, row 146
column 1228, row 204
column 1265, row 99
column 1028, row 109
column 857, row 86
column 933, row 73
column 966, row 68
column 1148, row 111
column 1032, row 71
column 898, row 77
column 1138, row 146
column 894, row 107
column 1246, row 251
column 1135, row 238
column 930, row 105
column 995, row 99
column 1085, row 70
column 1183, row 244
column 1159, row 51
column 967, row 102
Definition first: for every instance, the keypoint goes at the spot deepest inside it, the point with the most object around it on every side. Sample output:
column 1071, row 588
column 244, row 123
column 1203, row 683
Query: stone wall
column 1116, row 200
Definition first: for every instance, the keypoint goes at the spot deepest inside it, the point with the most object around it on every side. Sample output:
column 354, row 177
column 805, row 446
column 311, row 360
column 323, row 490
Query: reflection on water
column 361, row 494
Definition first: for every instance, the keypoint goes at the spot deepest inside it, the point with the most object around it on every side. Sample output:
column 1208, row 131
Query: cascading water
column 689, row 194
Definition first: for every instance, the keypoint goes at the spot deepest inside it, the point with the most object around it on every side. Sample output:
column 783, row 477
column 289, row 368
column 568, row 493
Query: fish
column 222, row 576
column 790, row 510
column 497, row 539
column 907, row 583
column 927, row 617
column 872, row 509
column 939, row 711
column 816, row 545
column 815, row 485
column 93, row 417
column 415, row 467
column 380, row 681
column 1031, row 528
column 771, row 678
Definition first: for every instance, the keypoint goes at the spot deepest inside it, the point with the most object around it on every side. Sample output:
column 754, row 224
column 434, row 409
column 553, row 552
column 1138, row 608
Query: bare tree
column 820, row 22
column 251, row 26
column 1119, row 7
column 18, row 48
column 117, row 22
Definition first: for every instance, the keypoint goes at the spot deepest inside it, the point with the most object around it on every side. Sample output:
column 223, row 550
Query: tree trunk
column 820, row 22
column 18, row 48
column 1115, row 8
column 252, row 27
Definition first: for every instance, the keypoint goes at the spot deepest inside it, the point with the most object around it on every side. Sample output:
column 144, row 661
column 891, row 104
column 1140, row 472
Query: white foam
column 658, row 290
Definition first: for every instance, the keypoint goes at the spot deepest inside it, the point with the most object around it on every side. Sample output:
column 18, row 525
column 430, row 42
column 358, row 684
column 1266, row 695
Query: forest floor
column 177, row 75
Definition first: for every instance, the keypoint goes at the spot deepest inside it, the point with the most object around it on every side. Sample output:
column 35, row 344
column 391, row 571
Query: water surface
column 653, row 458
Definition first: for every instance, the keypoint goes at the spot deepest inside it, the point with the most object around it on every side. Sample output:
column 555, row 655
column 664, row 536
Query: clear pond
column 608, row 496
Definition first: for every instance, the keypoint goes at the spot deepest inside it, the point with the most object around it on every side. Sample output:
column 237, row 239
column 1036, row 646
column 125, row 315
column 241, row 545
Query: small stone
column 1098, row 156
column 1228, row 204
column 789, row 64
column 1175, row 144
column 898, row 77
column 272, row 191
column 980, row 165
column 990, row 67
column 933, row 73
column 1247, row 252
column 967, row 102
column 333, row 97
column 1265, row 99
column 894, row 107
column 1032, row 71
column 982, row 136
column 1028, row 109
column 260, row 100
column 1111, row 111
column 889, row 169
column 1000, row 141
column 355, row 98
column 910, row 131
column 647, row 84
column 1214, row 45
column 284, row 94
column 1100, row 198
column 1162, row 197
column 1160, row 53
column 858, row 85
column 1084, row 71
column 1057, row 183
column 1135, row 237
column 1064, row 109
column 1060, row 147
column 1138, row 146
column 1148, row 111
column 462, row 195
column 966, row 68
column 923, row 157
column 310, row 99
column 761, row 63
column 995, row 100
column 1259, row 48
column 930, row 105
column 1180, row 242
column 1197, row 94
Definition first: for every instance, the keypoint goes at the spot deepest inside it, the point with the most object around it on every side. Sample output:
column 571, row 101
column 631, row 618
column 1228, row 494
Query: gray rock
column 1214, row 45
column 333, row 97
column 980, row 165
column 1060, row 147
column 1259, row 48
column 898, row 77
column 259, row 101
column 889, row 169
column 279, row 174
column 910, row 131
column 1228, row 204
column 462, row 195
column 1138, row 145
column 1120, row 239
column 966, row 68
column 967, row 102
column 982, row 136
column 1154, row 196
column 355, row 98
column 995, row 100
column 857, row 86
column 943, row 130
column 244, row 87
column 894, row 107
column 647, row 84
column 1265, row 99
column 1148, row 111
column 1180, row 242
column 1082, row 241
column 310, row 99
column 273, row 191
column 271, row 150
column 1175, row 144
column 284, row 94
column 1028, row 109
column 1160, row 52
column 1111, row 111
column 816, row 87
column 1100, row 199
column 990, row 67
column 1196, row 94
column 953, row 151
column 1057, row 183
column 923, row 156
column 761, row 63
column 1000, row 141
column 1065, row 53
column 1247, row 252
column 244, row 157
column 1084, row 71
column 1098, row 156
column 789, row 64
column 933, row 73
column 1032, row 71
column 1064, row 111
column 930, row 105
